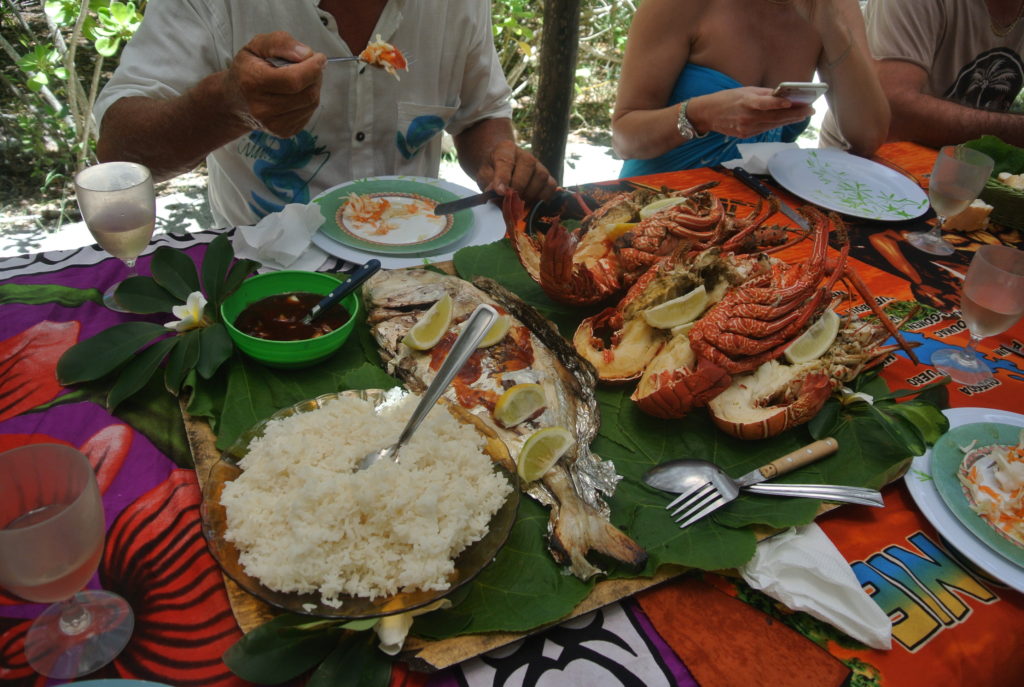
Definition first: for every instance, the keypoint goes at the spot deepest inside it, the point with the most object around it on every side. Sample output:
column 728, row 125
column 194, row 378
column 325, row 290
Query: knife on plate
column 467, row 202
column 755, row 184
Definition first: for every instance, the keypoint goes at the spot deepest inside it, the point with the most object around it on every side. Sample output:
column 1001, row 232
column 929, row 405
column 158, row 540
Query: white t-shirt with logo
column 368, row 123
column 955, row 43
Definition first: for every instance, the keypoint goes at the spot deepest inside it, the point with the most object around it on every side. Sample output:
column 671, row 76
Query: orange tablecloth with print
column 953, row 624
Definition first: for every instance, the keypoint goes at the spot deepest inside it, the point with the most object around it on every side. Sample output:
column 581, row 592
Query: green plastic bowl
column 289, row 354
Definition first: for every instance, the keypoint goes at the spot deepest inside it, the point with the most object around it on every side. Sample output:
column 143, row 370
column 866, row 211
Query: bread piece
column 974, row 218
column 1012, row 180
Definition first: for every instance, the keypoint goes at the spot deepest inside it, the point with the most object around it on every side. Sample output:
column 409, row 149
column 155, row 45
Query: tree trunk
column 556, row 85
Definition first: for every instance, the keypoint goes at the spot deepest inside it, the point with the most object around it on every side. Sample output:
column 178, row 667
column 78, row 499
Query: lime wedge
column 677, row 311
column 431, row 326
column 657, row 206
column 519, row 403
column 813, row 343
column 542, row 450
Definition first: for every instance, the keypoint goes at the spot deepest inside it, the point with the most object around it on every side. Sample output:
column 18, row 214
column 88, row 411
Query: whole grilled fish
column 532, row 352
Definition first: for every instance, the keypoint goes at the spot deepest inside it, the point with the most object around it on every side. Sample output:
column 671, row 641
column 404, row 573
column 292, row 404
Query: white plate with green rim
column 836, row 180
column 398, row 218
column 924, row 490
column 949, row 462
column 485, row 225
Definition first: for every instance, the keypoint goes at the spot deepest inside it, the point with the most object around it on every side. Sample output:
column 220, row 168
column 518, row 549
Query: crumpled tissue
column 282, row 240
column 803, row 569
column 754, row 157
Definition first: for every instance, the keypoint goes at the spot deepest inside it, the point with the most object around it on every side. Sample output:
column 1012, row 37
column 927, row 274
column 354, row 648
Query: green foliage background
column 54, row 59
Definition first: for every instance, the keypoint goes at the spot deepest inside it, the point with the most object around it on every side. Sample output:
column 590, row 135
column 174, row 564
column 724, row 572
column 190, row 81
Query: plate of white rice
column 292, row 522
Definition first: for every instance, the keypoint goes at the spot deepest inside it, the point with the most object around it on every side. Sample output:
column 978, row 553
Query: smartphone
column 804, row 92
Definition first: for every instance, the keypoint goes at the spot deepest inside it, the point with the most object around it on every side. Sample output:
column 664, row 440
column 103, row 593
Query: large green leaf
column 507, row 595
column 138, row 372
column 499, row 262
column 215, row 347
column 215, row 268
column 356, row 662
column 144, row 295
column 175, row 272
column 257, row 391
column 105, row 352
column 280, row 650
column 181, row 360
column 236, row 275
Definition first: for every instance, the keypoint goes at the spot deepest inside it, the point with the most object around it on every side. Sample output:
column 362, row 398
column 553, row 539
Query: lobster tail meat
column 776, row 397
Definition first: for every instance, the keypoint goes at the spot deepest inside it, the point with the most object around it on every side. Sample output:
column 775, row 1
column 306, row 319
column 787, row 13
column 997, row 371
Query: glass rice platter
column 467, row 565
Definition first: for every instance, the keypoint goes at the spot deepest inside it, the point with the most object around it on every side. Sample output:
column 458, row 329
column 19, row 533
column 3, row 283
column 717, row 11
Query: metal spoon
column 341, row 290
column 476, row 327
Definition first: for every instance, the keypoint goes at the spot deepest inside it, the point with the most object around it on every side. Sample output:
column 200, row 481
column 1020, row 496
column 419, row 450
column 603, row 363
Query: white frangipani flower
column 850, row 396
column 190, row 315
column 392, row 629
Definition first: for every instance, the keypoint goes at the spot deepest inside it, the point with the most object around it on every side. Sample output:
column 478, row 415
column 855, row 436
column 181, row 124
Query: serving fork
column 715, row 489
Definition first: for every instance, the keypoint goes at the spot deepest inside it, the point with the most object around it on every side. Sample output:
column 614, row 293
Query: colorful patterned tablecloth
column 952, row 623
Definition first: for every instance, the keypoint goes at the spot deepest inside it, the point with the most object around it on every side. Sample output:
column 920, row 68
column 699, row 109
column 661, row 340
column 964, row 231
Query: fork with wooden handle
column 719, row 489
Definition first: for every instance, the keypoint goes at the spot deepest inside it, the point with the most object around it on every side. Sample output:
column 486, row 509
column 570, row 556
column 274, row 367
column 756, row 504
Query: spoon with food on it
column 378, row 53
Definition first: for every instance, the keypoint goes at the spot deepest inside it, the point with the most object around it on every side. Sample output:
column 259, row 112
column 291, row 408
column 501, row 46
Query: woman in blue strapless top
column 697, row 79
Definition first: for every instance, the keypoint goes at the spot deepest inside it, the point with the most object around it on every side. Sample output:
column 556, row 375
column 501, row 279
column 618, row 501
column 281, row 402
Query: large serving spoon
column 469, row 338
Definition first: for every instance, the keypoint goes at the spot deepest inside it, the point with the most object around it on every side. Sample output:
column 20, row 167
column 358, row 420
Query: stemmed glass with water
column 957, row 178
column 118, row 204
column 992, row 301
column 51, row 541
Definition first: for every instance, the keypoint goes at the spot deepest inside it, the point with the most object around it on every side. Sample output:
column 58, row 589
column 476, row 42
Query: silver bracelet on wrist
column 685, row 126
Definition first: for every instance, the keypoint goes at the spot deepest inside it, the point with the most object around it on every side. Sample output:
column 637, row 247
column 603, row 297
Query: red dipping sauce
column 279, row 318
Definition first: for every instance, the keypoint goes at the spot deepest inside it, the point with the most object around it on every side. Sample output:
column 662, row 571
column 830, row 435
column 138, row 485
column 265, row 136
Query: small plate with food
column 978, row 469
column 391, row 216
column 290, row 520
column 937, row 490
column 484, row 224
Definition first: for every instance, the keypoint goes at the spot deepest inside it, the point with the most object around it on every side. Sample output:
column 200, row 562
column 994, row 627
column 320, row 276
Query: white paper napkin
column 282, row 240
column 754, row 157
column 803, row 569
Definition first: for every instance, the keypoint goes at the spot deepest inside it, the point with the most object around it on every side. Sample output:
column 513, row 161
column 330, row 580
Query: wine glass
column 51, row 540
column 993, row 300
column 957, row 178
column 118, row 205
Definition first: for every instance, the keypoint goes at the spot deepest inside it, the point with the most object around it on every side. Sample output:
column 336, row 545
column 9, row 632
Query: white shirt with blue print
column 368, row 123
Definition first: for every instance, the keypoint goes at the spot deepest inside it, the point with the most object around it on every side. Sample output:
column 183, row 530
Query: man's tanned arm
column 172, row 136
column 933, row 121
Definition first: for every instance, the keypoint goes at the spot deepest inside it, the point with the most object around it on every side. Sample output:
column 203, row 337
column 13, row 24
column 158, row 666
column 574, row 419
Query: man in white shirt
column 950, row 69
column 193, row 84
